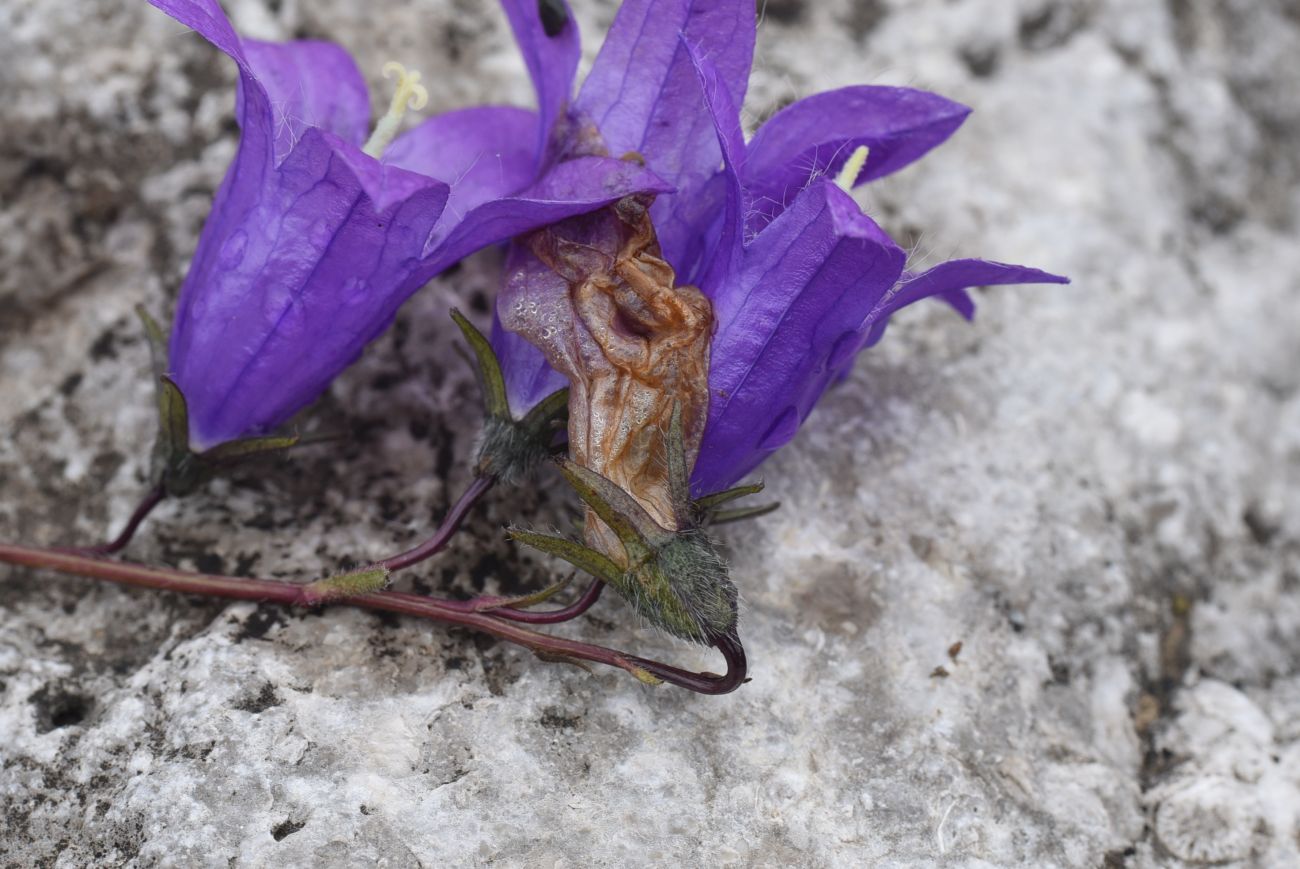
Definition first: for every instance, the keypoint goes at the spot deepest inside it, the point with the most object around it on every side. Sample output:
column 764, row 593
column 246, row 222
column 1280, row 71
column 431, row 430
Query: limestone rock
column 1095, row 489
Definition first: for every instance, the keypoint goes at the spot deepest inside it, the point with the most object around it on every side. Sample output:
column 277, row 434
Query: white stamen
column 410, row 94
column 852, row 168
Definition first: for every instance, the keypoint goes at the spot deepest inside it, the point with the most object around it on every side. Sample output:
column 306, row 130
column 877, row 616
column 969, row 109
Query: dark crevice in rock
column 57, row 707
column 982, row 59
column 783, row 11
column 264, row 699
column 257, row 625
column 864, row 17
column 1052, row 25
column 557, row 719
column 1155, row 704
column 286, row 828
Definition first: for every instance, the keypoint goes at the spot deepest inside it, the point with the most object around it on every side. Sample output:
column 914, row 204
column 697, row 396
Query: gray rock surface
column 1095, row 489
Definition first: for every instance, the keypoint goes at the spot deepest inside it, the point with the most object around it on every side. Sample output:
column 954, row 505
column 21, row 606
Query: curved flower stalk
column 365, row 588
column 800, row 280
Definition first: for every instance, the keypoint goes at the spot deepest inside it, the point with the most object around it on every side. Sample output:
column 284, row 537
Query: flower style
column 317, row 235
column 800, row 280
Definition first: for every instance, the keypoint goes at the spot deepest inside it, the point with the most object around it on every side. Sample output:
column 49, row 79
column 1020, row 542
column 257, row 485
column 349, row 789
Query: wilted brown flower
column 639, row 346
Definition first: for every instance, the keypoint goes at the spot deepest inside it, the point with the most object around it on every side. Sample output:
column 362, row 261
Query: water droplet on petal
column 781, row 431
column 322, row 231
column 354, row 291
column 276, row 300
column 232, row 252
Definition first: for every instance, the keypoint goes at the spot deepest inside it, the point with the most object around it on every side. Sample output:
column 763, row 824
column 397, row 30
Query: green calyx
column 509, row 449
column 179, row 469
column 679, row 584
column 674, row 578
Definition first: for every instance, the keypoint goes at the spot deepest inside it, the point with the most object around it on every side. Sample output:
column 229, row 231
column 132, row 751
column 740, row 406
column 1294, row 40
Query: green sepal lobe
column 490, row 379
column 508, row 449
column 636, row 529
column 582, row 557
column 722, row 517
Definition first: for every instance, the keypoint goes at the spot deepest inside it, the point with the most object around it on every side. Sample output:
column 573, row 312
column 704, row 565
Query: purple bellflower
column 799, row 278
column 318, row 234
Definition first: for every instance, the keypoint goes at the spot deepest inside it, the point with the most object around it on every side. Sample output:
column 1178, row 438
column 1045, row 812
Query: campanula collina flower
column 320, row 231
column 798, row 278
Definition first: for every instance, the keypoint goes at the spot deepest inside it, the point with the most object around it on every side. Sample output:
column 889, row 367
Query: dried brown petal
column 639, row 346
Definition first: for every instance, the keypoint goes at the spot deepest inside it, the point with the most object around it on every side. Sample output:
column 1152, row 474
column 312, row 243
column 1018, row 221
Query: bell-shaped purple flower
column 800, row 279
column 316, row 238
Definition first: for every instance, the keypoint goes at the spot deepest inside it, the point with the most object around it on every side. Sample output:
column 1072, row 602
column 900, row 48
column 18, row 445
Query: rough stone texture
column 1095, row 489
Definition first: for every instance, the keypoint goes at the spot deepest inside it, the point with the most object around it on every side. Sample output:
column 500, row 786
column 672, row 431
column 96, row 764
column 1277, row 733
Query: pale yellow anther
column 852, row 168
column 410, row 94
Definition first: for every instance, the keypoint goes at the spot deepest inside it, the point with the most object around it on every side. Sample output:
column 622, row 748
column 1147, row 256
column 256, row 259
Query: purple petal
column 815, row 135
column 552, row 60
column 252, row 103
column 276, row 112
column 949, row 281
column 574, row 187
column 644, row 95
column 310, row 84
column 310, row 247
column 530, row 290
column 785, row 319
column 297, row 269
column 710, row 224
column 484, row 153
column 285, row 88
column 208, row 19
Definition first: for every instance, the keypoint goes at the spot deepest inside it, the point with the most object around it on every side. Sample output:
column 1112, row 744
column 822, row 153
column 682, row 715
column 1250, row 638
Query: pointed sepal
column 548, row 416
column 232, row 452
column 157, row 339
column 523, row 601
column 490, row 379
column 726, row 496
column 589, row 560
column 177, row 468
column 707, row 510
column 635, row 528
column 173, row 419
column 679, row 475
column 509, row 449
column 739, row 514
column 174, row 464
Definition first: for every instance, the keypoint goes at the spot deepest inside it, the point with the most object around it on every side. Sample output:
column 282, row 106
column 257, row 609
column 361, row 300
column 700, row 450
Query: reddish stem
column 448, row 612
column 142, row 510
column 706, row 683
column 534, row 617
column 450, row 524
